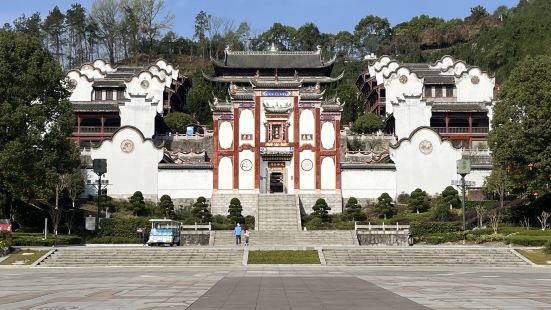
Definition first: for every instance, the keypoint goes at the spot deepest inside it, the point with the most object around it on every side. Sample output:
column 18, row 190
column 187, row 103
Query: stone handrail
column 197, row 226
column 380, row 227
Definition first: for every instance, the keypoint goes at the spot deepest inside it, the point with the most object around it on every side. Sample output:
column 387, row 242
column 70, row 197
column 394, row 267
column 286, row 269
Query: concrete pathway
column 276, row 287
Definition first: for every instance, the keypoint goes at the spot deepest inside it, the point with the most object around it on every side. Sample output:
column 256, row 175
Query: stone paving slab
column 286, row 293
column 263, row 287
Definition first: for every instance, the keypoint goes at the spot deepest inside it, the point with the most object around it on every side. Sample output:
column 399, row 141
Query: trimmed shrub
column 321, row 210
column 166, row 205
column 36, row 240
column 485, row 238
column 353, row 210
column 313, row 223
column 384, row 208
column 122, row 227
column 235, row 210
column 441, row 211
column 138, row 203
column 368, row 123
column 250, row 221
column 525, row 240
column 113, row 240
column 419, row 201
column 441, row 238
column 200, row 211
column 429, row 228
column 451, row 197
column 547, row 247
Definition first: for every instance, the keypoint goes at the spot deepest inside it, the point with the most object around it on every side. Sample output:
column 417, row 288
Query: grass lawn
column 284, row 257
column 536, row 256
column 23, row 257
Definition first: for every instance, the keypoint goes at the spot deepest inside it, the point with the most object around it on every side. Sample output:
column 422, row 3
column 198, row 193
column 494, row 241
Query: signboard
column 276, row 93
column 278, row 149
column 276, row 164
column 90, row 223
column 463, row 166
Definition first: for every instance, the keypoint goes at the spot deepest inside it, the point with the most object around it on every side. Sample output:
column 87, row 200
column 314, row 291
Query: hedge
column 441, row 238
column 431, row 228
column 114, row 240
column 525, row 240
column 122, row 227
column 28, row 239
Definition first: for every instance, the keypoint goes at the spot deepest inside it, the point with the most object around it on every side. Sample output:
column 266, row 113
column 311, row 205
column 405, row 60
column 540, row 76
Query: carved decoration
column 425, row 147
column 307, row 165
column 246, row 165
column 403, row 79
column 475, row 80
column 144, row 84
column 127, row 146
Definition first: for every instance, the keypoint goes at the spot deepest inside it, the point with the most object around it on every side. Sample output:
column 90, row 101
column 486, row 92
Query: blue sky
column 330, row 15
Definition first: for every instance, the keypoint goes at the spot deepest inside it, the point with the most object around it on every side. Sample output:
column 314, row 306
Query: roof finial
column 273, row 48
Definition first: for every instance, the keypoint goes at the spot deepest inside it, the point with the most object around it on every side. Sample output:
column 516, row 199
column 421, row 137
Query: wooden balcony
column 94, row 130
column 462, row 130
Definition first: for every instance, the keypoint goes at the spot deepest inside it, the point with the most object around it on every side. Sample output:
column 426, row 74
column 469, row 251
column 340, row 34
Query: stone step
column 422, row 257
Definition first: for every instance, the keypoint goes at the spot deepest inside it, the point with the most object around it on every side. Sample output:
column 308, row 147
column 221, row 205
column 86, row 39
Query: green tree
column 450, row 196
column 177, row 121
column 419, row 201
column 368, row 123
column 54, row 27
column 75, row 186
column 498, row 183
column 36, row 121
column 353, row 210
column 138, row 203
column 521, row 126
column 384, row 206
column 370, row 32
column 166, row 204
column 235, row 210
column 200, row 211
column 441, row 210
column 107, row 16
column 321, row 210
column 201, row 29
column 307, row 37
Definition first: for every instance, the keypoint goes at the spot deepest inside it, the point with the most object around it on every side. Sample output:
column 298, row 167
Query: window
column 450, row 91
column 120, row 94
column 276, row 132
column 438, row 92
column 98, row 94
column 428, row 91
column 109, row 95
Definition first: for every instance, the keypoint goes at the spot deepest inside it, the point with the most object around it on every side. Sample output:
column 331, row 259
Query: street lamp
column 463, row 168
column 99, row 166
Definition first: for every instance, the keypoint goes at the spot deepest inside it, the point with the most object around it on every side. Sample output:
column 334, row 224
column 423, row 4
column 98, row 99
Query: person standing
column 237, row 231
column 247, row 234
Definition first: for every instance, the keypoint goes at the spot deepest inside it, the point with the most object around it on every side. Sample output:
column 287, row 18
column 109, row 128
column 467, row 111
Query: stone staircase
column 487, row 257
column 278, row 212
column 289, row 238
column 146, row 256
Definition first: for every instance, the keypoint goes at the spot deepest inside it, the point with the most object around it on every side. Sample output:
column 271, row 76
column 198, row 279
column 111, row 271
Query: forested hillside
column 135, row 31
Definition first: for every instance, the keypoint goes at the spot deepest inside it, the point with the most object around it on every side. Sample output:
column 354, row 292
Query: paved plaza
column 275, row 287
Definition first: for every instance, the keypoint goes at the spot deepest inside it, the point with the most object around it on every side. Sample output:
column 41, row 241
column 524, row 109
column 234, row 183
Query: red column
column 296, row 143
column 317, row 149
column 215, row 155
column 257, row 143
column 236, row 148
column 338, row 154
column 102, row 123
column 447, row 119
column 470, row 124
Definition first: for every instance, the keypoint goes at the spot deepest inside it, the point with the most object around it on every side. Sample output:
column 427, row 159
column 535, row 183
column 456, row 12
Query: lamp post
column 100, row 168
column 463, row 168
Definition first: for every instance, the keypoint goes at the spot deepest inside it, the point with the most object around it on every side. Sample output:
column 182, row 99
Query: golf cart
column 164, row 232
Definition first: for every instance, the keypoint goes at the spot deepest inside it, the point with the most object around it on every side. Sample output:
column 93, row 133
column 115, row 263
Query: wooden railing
column 95, row 129
column 452, row 130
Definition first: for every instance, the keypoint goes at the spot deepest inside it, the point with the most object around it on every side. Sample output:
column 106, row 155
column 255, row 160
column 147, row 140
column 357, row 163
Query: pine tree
column 321, row 210
column 235, row 209
column 200, row 211
column 353, row 210
column 166, row 205
column 384, row 206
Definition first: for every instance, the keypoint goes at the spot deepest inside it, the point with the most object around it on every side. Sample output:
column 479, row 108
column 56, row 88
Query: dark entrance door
column 276, row 182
